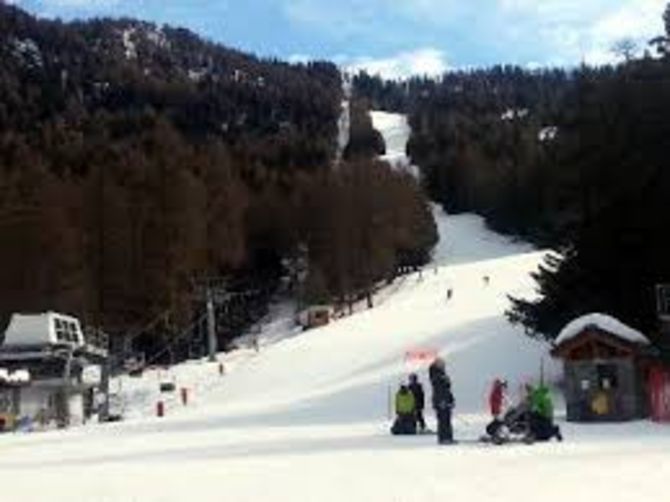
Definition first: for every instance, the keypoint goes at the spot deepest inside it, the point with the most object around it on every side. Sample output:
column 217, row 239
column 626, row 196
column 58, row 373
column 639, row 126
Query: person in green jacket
column 542, row 414
column 405, row 408
column 540, row 402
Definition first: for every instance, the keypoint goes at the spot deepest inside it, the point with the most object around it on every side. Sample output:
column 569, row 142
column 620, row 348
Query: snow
column 395, row 129
column 29, row 51
column 344, row 120
column 546, row 134
column 605, row 323
column 157, row 37
column 128, row 44
column 307, row 417
column 514, row 114
column 468, row 240
column 197, row 75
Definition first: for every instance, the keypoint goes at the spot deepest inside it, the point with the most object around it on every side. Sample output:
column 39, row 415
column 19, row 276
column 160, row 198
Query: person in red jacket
column 497, row 397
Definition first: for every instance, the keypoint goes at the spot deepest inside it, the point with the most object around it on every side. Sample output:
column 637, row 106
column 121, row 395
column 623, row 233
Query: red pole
column 160, row 409
column 184, row 396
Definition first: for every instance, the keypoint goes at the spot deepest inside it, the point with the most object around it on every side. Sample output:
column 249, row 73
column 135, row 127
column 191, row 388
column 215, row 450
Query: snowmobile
column 514, row 426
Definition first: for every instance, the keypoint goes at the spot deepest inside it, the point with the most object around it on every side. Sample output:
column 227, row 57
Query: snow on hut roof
column 604, row 322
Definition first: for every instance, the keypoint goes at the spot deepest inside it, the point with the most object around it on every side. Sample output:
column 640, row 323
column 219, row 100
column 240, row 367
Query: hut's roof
column 603, row 322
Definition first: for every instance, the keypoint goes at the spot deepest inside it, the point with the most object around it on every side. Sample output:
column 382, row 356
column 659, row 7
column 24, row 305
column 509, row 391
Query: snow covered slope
column 307, row 417
column 344, row 122
column 395, row 129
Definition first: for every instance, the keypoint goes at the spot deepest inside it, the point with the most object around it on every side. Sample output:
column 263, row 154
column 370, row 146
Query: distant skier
column 487, row 280
column 443, row 400
column 405, row 408
column 416, row 389
column 450, row 294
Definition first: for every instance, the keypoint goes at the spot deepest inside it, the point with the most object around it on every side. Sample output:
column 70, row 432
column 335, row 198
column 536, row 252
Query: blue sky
column 397, row 37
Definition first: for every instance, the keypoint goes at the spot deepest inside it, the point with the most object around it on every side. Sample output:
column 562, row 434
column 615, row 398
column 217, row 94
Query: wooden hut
column 605, row 363
column 315, row 316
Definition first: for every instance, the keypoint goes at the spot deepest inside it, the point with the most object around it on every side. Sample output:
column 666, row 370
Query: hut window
column 72, row 328
column 607, row 376
column 61, row 331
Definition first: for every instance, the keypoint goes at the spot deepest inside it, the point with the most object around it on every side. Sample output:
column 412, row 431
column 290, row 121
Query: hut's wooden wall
column 625, row 397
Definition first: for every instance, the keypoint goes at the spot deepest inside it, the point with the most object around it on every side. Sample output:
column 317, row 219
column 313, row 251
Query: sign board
column 16, row 377
column 420, row 356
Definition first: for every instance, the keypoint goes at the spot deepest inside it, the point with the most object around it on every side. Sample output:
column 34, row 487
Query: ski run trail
column 307, row 418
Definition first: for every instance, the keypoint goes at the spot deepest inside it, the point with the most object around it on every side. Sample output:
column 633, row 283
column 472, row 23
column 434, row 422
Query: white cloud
column 299, row 58
column 576, row 30
column 639, row 19
column 422, row 62
column 566, row 31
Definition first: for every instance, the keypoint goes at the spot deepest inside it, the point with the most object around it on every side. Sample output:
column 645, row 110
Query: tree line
column 137, row 159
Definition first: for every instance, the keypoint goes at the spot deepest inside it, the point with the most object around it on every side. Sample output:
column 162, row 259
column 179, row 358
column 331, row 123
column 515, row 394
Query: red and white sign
column 421, row 355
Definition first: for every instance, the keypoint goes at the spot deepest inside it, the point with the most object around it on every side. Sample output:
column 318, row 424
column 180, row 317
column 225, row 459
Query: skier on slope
column 416, row 389
column 443, row 400
column 405, row 408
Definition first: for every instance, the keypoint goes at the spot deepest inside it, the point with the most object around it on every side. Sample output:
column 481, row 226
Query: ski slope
column 306, row 418
column 396, row 130
column 344, row 121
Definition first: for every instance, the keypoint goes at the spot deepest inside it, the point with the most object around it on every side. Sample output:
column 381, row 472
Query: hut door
column 603, row 402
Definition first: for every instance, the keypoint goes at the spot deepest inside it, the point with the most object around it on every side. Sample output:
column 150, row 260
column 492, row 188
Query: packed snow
column 396, row 130
column 306, row 417
column 344, row 121
column 604, row 322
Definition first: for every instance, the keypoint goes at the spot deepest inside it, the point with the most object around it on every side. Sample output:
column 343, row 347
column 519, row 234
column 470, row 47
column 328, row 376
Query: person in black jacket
column 443, row 400
column 416, row 388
